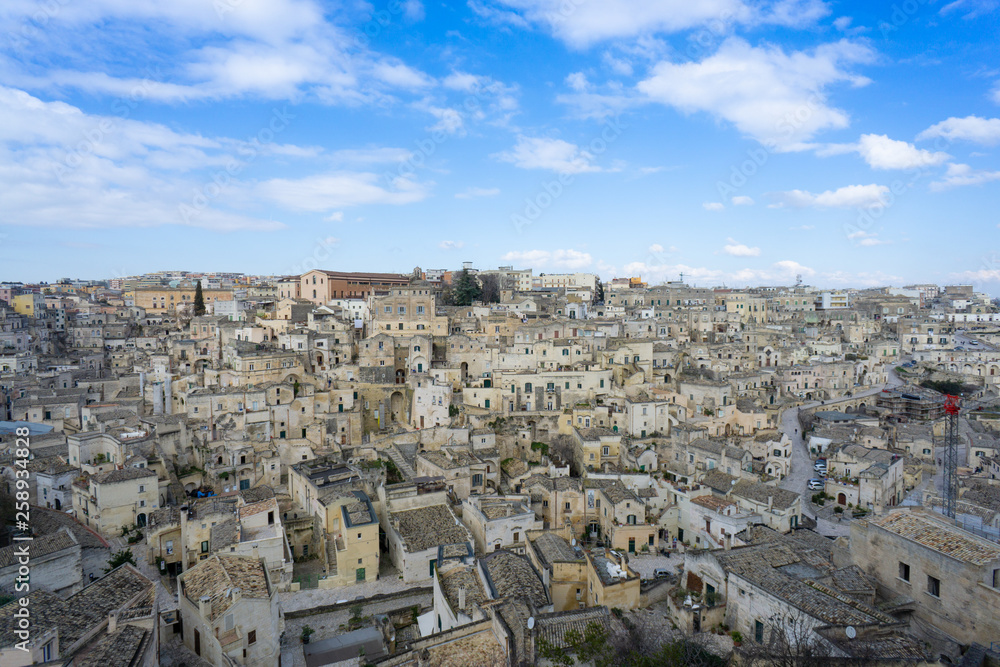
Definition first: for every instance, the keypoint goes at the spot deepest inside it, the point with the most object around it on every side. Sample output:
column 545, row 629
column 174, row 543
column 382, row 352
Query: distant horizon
column 602, row 279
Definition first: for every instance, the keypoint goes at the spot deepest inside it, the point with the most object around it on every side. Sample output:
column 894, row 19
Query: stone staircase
column 397, row 457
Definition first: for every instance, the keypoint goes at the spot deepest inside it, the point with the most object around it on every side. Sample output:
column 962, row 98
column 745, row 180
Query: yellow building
column 168, row 299
column 29, row 305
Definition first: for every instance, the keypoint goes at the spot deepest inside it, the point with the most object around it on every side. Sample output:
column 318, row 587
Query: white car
column 816, row 484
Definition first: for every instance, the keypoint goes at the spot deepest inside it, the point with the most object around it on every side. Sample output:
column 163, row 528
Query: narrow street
column 802, row 462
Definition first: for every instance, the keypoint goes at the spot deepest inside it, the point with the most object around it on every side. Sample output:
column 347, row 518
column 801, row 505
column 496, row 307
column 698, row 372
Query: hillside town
column 475, row 467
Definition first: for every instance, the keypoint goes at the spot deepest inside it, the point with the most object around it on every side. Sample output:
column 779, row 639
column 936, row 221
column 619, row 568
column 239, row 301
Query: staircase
column 397, row 457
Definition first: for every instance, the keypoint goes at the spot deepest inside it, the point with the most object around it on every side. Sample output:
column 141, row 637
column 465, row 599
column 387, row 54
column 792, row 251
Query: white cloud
column 849, row 196
column 842, row 23
column 369, row 156
column 959, row 175
column 656, row 247
column 580, row 23
column 323, row 192
column 62, row 167
column 859, row 278
column 569, row 260
column 737, row 249
column 774, row 97
column 449, row 120
column 269, row 49
column 497, row 16
column 742, row 200
column 577, row 81
column 971, row 128
column 338, row 216
column 474, row 192
column 978, row 276
column 413, row 10
column 881, row 152
column 713, row 206
column 779, row 273
column 553, row 154
column 451, row 245
column 866, row 239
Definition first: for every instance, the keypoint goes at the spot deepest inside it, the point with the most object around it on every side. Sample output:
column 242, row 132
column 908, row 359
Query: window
column 758, row 632
column 904, row 571
column 170, row 547
column 204, row 547
column 933, row 586
column 251, row 637
column 605, row 451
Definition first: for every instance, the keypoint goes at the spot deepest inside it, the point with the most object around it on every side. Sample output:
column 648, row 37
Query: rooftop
column 427, row 527
column 218, row 576
column 939, row 536
column 512, row 575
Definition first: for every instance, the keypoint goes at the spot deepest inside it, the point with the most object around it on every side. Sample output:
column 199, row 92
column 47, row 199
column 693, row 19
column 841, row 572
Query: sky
column 731, row 142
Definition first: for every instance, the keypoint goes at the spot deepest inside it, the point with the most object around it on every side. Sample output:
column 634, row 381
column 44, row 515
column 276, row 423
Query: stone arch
column 841, row 499
column 140, row 519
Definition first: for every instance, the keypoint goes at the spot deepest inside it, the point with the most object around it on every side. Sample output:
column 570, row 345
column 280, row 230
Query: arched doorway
column 140, row 520
column 58, row 504
column 465, row 371
column 841, row 499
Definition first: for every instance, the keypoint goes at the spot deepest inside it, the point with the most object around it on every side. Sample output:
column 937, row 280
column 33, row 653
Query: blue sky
column 738, row 142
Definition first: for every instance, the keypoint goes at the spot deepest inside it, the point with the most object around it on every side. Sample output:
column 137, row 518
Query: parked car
column 816, row 485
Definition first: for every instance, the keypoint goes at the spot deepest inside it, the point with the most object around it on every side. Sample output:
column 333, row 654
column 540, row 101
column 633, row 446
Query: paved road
column 802, row 462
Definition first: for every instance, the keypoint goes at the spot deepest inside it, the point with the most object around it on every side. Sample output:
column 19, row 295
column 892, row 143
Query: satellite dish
column 531, row 622
column 851, row 632
column 573, row 542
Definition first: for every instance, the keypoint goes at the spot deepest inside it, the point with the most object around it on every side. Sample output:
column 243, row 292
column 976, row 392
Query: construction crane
column 951, row 409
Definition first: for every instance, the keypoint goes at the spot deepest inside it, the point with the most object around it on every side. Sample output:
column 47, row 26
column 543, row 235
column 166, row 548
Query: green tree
column 199, row 300
column 466, row 289
column 119, row 558
column 599, row 293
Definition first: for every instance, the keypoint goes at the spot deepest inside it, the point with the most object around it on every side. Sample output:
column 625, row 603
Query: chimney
column 205, row 606
column 728, row 544
column 461, row 598
column 770, row 502
column 112, row 622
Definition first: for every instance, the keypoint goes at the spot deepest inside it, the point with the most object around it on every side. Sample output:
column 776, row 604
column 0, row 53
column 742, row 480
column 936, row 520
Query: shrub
column 737, row 636
column 838, row 509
